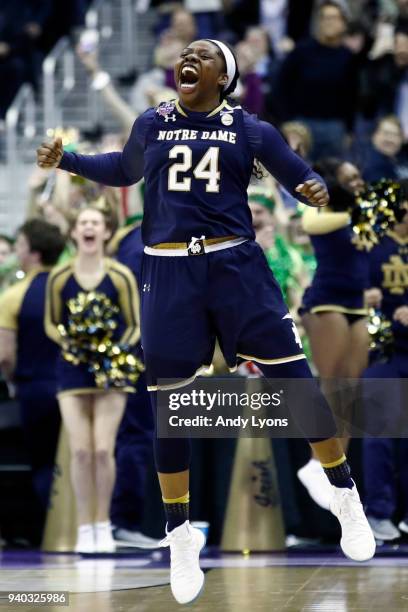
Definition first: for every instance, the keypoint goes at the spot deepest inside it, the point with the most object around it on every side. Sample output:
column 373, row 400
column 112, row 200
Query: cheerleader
column 91, row 414
column 333, row 310
column 385, row 454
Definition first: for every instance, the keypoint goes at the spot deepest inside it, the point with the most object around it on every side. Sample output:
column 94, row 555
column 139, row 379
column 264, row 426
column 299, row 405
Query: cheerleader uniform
column 22, row 311
column 385, row 403
column 342, row 272
column 118, row 284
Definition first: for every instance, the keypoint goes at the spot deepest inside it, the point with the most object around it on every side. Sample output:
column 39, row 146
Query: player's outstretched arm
column 288, row 168
column 114, row 169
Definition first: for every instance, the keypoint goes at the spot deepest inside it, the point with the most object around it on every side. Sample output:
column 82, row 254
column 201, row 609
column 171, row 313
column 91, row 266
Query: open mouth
column 89, row 239
column 188, row 78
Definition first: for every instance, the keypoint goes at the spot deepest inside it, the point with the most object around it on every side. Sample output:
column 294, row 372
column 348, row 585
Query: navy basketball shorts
column 190, row 301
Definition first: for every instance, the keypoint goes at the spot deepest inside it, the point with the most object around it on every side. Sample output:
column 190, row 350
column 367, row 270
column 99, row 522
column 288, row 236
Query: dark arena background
column 81, row 510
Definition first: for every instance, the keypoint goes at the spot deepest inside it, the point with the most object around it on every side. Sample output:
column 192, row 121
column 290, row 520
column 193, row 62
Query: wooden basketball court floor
column 293, row 581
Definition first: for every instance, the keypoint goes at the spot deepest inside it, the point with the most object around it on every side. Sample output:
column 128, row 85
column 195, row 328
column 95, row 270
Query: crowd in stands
column 332, row 75
column 28, row 31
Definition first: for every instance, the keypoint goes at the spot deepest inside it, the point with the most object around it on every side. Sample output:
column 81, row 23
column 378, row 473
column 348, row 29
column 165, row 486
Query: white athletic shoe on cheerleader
column 186, row 577
column 104, row 542
column 357, row 539
column 312, row 477
column 86, row 539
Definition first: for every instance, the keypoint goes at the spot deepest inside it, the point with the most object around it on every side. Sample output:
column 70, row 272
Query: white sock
column 83, row 529
column 103, row 525
column 85, row 535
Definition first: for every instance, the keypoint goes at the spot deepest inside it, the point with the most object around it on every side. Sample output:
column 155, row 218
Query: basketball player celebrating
column 196, row 155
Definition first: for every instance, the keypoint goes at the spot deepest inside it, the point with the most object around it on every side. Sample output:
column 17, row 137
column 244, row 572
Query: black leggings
column 174, row 454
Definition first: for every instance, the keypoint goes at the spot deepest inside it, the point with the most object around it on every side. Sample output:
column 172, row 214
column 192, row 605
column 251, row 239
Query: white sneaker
column 186, row 577
column 85, row 539
column 383, row 529
column 312, row 476
column 357, row 539
column 104, row 542
column 136, row 539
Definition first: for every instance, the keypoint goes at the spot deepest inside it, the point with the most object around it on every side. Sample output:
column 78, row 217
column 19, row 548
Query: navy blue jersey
column 197, row 167
column 389, row 272
column 22, row 308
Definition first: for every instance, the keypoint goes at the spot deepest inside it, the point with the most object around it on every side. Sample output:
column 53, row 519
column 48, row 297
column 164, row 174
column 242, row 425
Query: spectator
column 12, row 62
column 251, row 96
column 259, row 41
column 280, row 19
column 358, row 39
column 298, row 137
column 182, row 26
column 63, row 20
column 151, row 88
column 267, row 67
column 318, row 82
column 38, row 12
column 284, row 261
column 8, row 263
column 273, row 16
column 382, row 157
column 157, row 85
column 208, row 16
column 384, row 82
column 240, row 15
column 22, row 306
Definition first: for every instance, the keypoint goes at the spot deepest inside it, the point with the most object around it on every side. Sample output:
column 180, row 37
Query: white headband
column 229, row 60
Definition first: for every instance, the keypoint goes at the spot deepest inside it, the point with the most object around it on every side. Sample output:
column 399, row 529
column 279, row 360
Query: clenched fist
column 50, row 153
column 315, row 192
